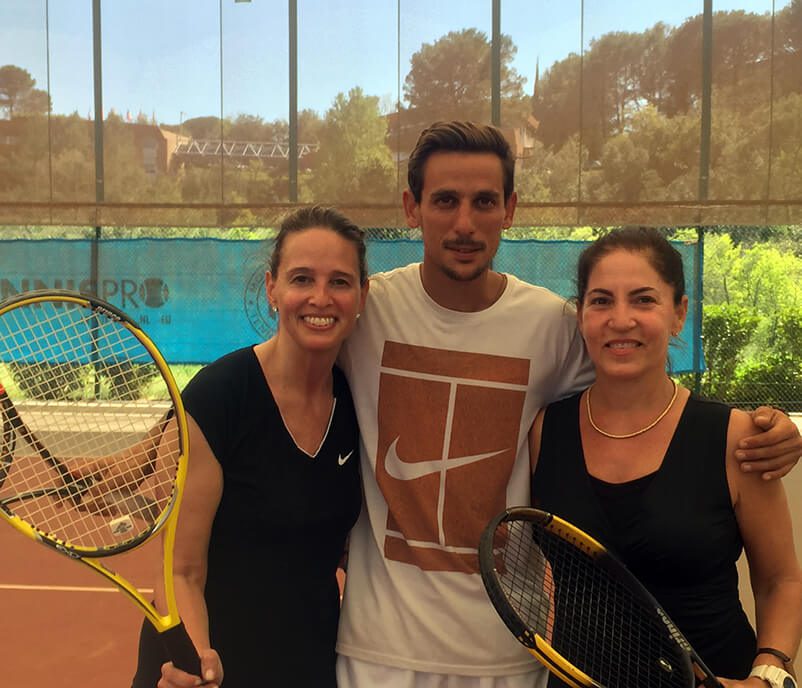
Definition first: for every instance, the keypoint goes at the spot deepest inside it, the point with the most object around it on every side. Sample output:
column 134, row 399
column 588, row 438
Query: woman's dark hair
column 327, row 218
column 459, row 137
column 662, row 256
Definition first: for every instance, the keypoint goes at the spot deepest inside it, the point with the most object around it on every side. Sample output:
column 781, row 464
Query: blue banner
column 201, row 298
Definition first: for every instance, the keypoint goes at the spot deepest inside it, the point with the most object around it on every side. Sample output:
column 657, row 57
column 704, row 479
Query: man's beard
column 470, row 277
column 478, row 272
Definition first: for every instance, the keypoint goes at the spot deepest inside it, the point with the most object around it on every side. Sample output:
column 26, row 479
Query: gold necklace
column 637, row 432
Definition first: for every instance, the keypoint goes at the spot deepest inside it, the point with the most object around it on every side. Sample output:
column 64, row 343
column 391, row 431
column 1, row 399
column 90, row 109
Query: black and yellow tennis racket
column 579, row 610
column 8, row 439
column 94, row 440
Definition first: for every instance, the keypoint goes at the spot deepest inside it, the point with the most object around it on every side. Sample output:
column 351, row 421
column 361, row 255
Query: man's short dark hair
column 459, row 137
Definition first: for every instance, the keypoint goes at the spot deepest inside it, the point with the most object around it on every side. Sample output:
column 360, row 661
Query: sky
column 164, row 58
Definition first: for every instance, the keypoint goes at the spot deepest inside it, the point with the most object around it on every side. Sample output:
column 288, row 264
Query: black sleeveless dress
column 278, row 534
column 675, row 529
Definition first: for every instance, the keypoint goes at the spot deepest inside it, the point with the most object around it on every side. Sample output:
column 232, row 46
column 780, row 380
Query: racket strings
column 94, row 460
column 586, row 614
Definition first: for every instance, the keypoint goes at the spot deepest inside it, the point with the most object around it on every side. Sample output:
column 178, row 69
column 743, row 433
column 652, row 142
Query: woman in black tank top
column 273, row 481
column 649, row 469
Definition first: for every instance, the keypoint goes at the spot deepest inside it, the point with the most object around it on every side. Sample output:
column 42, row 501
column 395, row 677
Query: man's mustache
column 465, row 243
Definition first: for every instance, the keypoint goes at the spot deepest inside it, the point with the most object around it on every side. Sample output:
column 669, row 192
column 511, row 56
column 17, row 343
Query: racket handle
column 180, row 650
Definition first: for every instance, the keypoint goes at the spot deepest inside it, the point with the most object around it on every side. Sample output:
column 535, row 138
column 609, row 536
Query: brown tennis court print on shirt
column 448, row 433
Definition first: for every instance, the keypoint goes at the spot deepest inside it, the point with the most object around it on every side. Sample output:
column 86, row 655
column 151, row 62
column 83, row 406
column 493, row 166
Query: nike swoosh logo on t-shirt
column 410, row 470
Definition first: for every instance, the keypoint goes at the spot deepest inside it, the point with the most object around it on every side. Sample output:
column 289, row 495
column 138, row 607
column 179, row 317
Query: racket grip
column 180, row 650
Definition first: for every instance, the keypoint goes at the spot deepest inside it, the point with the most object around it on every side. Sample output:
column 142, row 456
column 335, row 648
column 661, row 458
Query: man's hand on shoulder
column 774, row 451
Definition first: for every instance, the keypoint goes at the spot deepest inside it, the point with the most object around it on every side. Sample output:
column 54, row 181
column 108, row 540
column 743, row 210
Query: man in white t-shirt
column 448, row 367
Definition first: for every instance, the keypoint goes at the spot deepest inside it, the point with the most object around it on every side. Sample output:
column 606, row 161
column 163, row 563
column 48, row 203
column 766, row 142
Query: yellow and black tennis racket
column 93, row 447
column 579, row 610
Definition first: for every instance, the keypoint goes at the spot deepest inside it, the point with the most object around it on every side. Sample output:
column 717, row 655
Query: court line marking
column 64, row 588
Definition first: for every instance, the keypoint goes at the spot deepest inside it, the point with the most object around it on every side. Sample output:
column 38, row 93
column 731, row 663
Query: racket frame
column 535, row 643
column 165, row 524
column 8, row 440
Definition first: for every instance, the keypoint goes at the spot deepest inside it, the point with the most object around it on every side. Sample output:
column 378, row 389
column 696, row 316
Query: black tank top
column 675, row 529
column 278, row 534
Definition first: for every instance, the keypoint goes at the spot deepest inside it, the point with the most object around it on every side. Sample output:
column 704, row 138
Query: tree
column 255, row 183
column 621, row 177
column 786, row 179
column 726, row 331
column 788, row 54
column 201, row 128
column 622, row 74
column 24, row 169
column 450, row 79
column 531, row 177
column 309, row 126
column 741, row 57
column 18, row 95
column 354, row 164
column 723, row 270
column 254, row 128
column 741, row 51
column 614, row 67
column 556, row 103
column 35, row 102
column 649, row 160
column 771, row 279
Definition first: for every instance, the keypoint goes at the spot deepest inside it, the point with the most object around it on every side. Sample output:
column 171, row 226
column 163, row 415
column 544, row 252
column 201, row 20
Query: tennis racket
column 7, row 442
column 579, row 610
column 94, row 441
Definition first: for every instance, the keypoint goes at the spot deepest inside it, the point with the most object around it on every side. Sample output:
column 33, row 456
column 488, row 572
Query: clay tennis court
column 63, row 625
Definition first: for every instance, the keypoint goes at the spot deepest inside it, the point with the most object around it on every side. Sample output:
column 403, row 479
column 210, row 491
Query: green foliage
column 126, row 381
column 48, row 381
column 788, row 331
column 752, row 324
column 786, row 178
column 774, row 380
column 555, row 104
column 202, row 128
column 450, row 78
column 354, row 164
column 552, row 233
column 75, row 381
column 761, row 276
column 722, row 270
column 726, row 331
column 771, row 279
column 614, row 68
column 18, row 95
column 638, row 111
column 620, row 123
column 254, row 128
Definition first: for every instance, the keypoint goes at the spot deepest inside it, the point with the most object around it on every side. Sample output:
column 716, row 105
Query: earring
column 357, row 315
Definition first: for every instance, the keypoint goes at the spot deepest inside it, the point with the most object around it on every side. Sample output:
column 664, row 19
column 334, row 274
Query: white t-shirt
column 445, row 401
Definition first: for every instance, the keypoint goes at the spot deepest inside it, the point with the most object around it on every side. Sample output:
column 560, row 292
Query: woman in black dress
column 273, row 485
column 649, row 469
